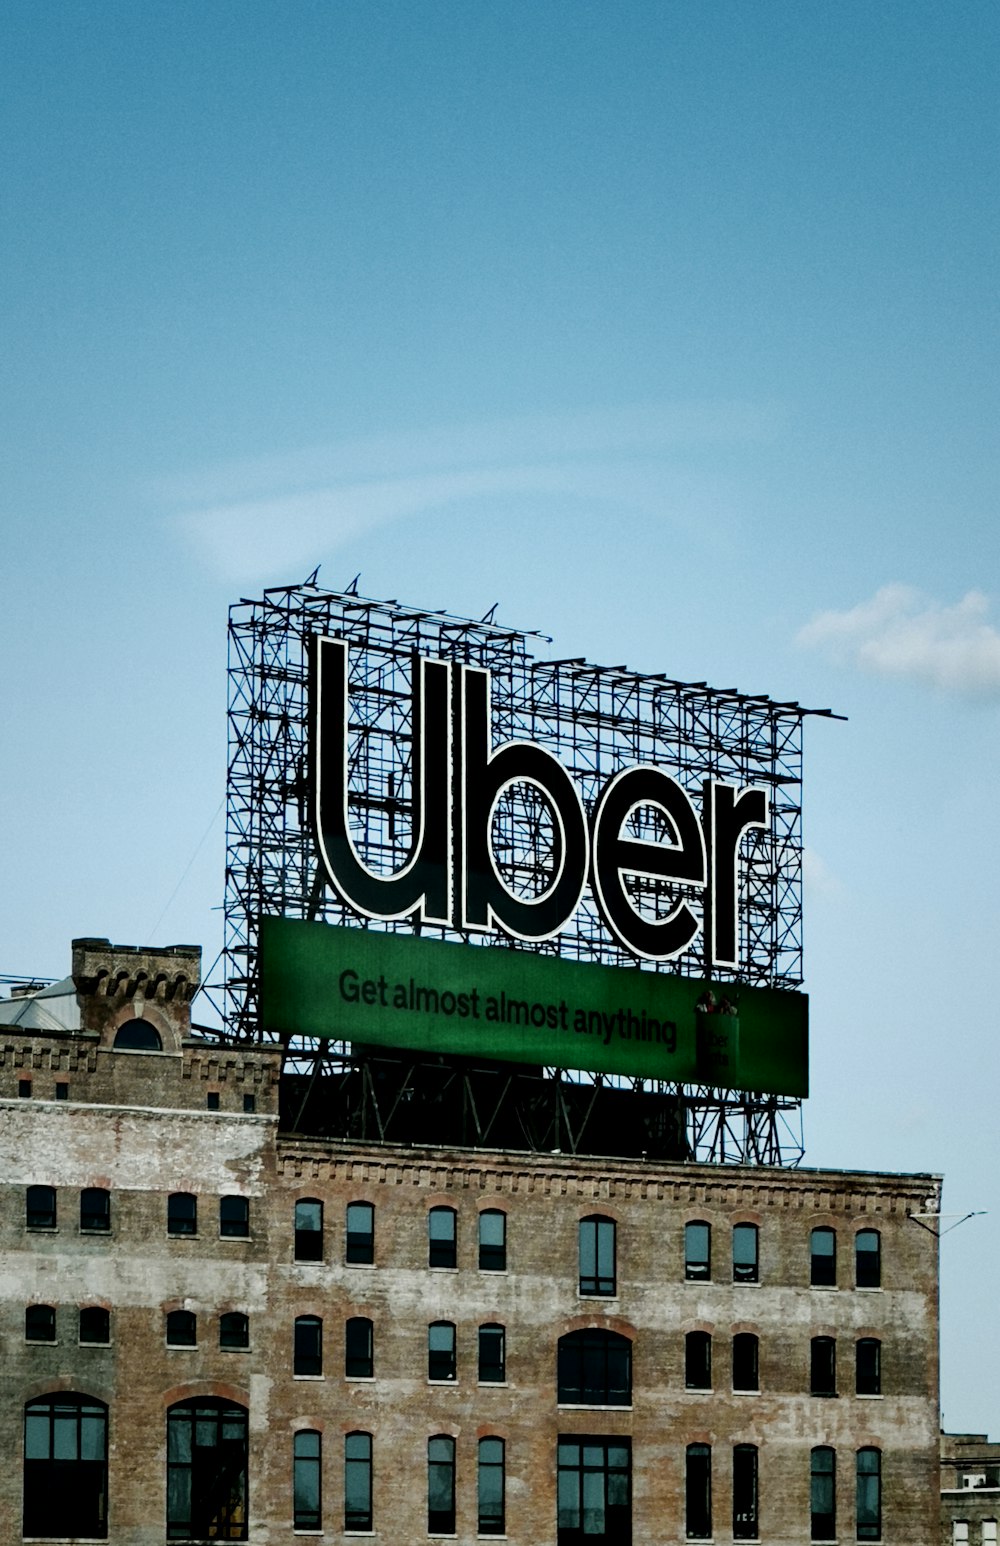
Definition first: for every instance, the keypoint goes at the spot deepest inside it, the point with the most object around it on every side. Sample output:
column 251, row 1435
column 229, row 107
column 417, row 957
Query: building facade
column 970, row 1489
column 215, row 1329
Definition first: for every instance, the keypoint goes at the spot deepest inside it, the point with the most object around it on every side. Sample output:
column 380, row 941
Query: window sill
column 756, row 1392
column 876, row 1395
column 698, row 1390
column 601, row 1298
column 314, row 1378
column 369, row 1379
column 869, row 1288
column 492, row 1384
column 369, row 1266
column 442, row 1269
column 823, row 1288
column 94, row 1344
column 246, row 1239
column 177, row 1235
column 181, row 1347
column 42, row 1229
column 592, row 1406
column 444, row 1382
column 235, row 1349
column 39, row 1342
column 100, row 1234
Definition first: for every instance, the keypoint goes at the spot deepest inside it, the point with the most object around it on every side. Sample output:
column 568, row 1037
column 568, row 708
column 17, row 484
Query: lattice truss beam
column 596, row 720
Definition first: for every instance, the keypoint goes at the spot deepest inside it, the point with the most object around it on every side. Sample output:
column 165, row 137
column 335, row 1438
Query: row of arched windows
column 745, row 1364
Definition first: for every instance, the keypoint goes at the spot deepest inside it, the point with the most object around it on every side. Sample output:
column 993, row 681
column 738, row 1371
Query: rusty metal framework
column 596, row 719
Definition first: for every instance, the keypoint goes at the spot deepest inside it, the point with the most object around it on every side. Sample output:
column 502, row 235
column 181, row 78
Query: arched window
column 182, row 1328
column 234, row 1329
column 744, row 1253
column 595, row 1368
column 492, row 1361
column 360, row 1246
column 492, row 1241
column 234, row 1217
column 823, row 1493
column 698, row 1360
column 359, row 1348
column 491, row 1487
column 308, row 1352
column 745, row 1505
column 138, row 1036
column 182, row 1214
column 746, row 1374
column 441, row 1238
column 868, row 1496
column 441, row 1485
column 698, row 1491
column 823, row 1366
column 823, row 1258
column 868, row 1259
column 598, row 1266
column 868, row 1367
column 95, row 1324
column 95, row 1210
column 40, row 1323
column 307, row 1452
column 40, row 1207
column 207, row 1471
column 698, row 1250
column 66, row 1467
column 357, row 1481
column 441, row 1360
column 308, row 1229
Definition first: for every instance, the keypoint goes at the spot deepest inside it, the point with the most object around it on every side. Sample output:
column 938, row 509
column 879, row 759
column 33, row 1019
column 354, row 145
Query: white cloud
column 817, row 877
column 277, row 514
column 902, row 632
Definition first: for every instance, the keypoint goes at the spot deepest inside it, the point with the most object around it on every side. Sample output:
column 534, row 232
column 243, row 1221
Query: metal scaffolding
column 596, row 720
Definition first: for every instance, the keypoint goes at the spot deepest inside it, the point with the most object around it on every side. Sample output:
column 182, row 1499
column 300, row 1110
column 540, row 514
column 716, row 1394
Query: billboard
column 418, row 800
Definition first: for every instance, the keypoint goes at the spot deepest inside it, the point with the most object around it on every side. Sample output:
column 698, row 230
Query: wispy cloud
column 277, row 513
column 902, row 632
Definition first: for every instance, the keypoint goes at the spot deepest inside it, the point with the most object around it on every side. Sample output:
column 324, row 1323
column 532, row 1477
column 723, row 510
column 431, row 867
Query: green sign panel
column 396, row 990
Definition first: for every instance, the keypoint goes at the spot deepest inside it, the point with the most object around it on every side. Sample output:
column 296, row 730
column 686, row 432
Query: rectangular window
column 306, row 1481
column 308, row 1229
column 358, row 1481
column 491, row 1487
column 989, row 1532
column 823, row 1494
column 234, row 1217
column 95, row 1210
column 492, row 1369
column 441, row 1486
column 960, row 1533
column 40, row 1210
column 598, row 1274
column 745, row 1518
column 868, row 1503
column 441, row 1364
column 823, row 1366
column 868, row 1371
column 441, row 1238
column 698, row 1251
column 95, row 1325
column 823, row 1258
column 698, row 1492
column 307, row 1357
column 62, row 1090
column 698, row 1360
column 745, row 1369
column 182, row 1214
column 868, row 1259
column 359, row 1348
column 744, row 1253
column 360, row 1246
column 594, row 1491
column 492, row 1241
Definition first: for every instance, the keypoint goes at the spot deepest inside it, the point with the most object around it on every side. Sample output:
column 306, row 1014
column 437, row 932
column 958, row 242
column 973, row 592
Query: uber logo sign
column 451, row 876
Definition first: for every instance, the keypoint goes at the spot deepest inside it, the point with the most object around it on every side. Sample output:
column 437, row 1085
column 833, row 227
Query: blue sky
column 672, row 328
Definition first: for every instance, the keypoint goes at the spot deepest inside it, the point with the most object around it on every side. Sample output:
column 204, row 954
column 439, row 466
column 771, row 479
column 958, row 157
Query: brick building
column 970, row 1490
column 214, row 1329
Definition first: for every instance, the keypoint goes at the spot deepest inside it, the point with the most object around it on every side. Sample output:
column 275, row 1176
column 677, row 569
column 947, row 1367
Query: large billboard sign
column 423, row 805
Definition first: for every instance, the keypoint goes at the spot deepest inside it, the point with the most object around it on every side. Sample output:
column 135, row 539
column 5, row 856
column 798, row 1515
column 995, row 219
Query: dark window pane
column 308, row 1230
column 491, row 1355
column 823, row 1258
column 207, row 1471
column 745, row 1521
column 308, row 1348
column 441, row 1486
column 595, row 1368
column 306, row 1480
column 698, row 1250
column 744, row 1253
column 491, row 1487
column 823, row 1366
column 40, row 1323
column 360, row 1232
column 698, row 1491
column 698, row 1360
column 137, row 1036
column 358, row 1481
column 441, row 1364
column 234, row 1330
column 182, row 1214
column 868, row 1501
column 359, row 1344
column 65, row 1468
column 823, row 1494
column 868, row 1259
column 598, row 1270
column 41, row 1207
column 95, row 1324
column 182, row 1328
column 492, row 1241
column 594, row 1491
column 441, row 1237
column 95, row 1209
column 745, row 1370
column 869, row 1367
column 234, row 1216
